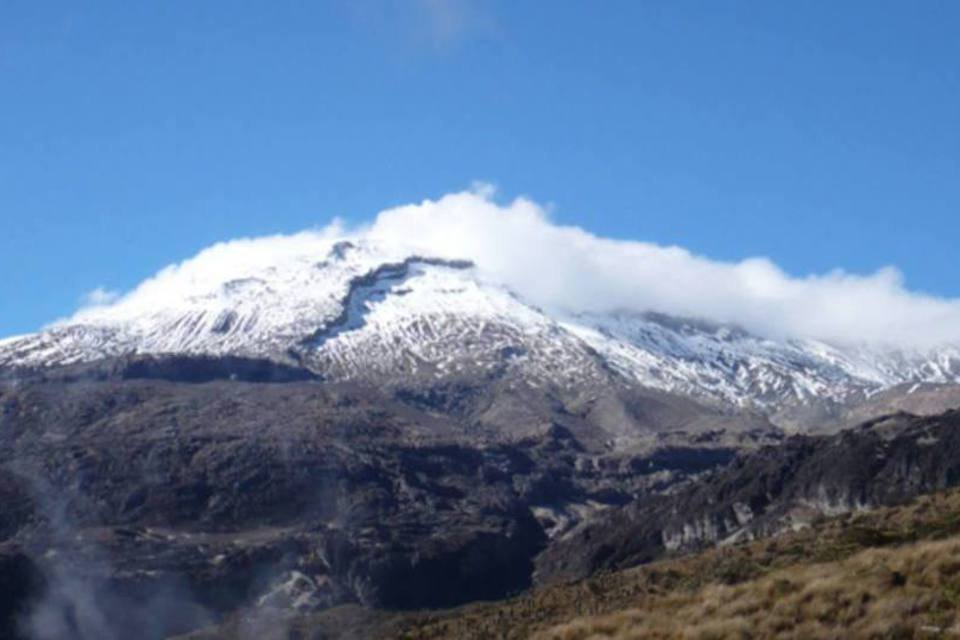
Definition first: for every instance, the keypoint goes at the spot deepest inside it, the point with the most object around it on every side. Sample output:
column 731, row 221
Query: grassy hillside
column 890, row 573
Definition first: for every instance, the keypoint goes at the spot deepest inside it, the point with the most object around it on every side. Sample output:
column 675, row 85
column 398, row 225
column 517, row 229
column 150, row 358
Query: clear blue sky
column 822, row 134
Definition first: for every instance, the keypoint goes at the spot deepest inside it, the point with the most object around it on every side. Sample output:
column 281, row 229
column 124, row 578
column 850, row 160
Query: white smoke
column 568, row 269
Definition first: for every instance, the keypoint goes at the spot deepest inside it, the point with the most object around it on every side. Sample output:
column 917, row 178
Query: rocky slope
column 841, row 566
column 175, row 490
column 882, row 462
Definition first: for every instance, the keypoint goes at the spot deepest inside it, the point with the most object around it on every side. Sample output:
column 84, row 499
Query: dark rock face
column 182, row 489
column 21, row 584
column 206, row 369
column 882, row 462
column 373, row 286
column 174, row 368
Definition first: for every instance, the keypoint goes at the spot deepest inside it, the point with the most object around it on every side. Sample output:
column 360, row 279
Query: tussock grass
column 904, row 592
column 891, row 573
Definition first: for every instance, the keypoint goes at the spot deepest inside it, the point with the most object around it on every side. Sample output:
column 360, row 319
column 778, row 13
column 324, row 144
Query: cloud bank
column 568, row 269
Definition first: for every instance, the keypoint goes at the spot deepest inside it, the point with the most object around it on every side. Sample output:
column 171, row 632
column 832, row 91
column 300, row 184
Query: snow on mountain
column 366, row 310
column 701, row 358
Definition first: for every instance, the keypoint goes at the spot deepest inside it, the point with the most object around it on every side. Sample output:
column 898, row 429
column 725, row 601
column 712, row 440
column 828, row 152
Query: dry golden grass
column 905, row 592
column 891, row 573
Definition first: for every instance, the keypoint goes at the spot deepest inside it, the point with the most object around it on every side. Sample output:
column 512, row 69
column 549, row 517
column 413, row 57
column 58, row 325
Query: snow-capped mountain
column 359, row 309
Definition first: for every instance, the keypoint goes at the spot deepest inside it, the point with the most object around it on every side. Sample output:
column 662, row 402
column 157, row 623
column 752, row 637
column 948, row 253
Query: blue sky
column 821, row 134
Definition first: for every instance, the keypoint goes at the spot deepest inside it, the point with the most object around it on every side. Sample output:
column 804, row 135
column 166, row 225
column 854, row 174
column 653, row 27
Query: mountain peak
column 351, row 308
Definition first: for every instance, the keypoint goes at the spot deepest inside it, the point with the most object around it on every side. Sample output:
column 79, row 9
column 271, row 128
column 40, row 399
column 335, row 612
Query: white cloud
column 447, row 21
column 566, row 268
column 99, row 297
column 437, row 24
